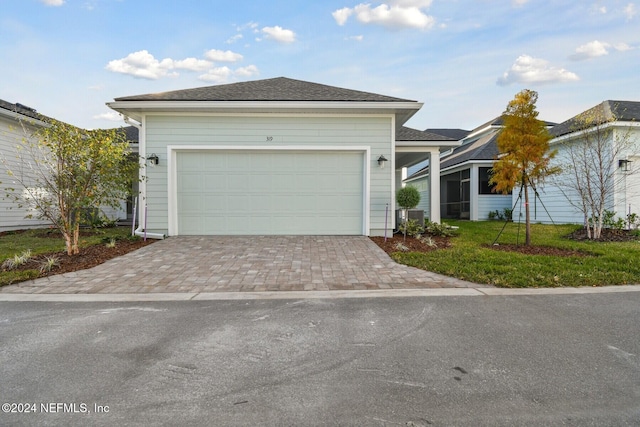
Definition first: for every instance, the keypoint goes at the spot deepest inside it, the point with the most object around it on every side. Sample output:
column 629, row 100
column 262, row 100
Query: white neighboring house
column 12, row 119
column 621, row 123
column 16, row 123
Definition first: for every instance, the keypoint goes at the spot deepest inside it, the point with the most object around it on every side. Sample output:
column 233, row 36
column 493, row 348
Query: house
column 465, row 170
column 274, row 156
column 616, row 124
column 17, row 121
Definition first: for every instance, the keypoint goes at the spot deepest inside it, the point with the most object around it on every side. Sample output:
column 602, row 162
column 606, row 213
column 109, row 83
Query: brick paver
column 246, row 263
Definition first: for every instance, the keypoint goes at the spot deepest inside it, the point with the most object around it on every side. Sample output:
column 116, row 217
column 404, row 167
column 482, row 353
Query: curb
column 286, row 295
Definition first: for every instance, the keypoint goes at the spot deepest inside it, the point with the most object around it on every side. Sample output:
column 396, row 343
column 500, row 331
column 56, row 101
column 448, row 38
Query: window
column 484, row 175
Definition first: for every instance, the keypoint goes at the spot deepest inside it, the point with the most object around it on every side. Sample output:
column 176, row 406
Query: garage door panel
column 279, row 192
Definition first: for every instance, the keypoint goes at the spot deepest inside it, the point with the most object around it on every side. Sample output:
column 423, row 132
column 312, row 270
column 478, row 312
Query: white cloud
column 192, row 64
column 630, row 11
column 217, row 75
column 112, row 116
column 249, row 71
column 356, row 38
column 590, row 50
column 529, row 70
column 342, row 15
column 519, row 3
column 53, row 2
column 279, row 34
column 223, row 56
column 397, row 14
column 596, row 48
column 232, row 40
column 143, row 65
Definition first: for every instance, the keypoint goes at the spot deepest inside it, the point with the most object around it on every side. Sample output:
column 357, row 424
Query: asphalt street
column 489, row 360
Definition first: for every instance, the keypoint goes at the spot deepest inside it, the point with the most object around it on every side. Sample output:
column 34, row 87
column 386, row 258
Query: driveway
column 245, row 264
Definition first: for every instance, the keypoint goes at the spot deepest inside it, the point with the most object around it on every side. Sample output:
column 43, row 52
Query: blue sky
column 464, row 59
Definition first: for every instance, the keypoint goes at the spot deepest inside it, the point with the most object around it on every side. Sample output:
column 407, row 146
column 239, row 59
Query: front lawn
column 471, row 257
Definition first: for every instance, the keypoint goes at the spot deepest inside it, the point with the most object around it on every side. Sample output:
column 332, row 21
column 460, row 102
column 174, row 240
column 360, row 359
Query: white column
column 434, row 182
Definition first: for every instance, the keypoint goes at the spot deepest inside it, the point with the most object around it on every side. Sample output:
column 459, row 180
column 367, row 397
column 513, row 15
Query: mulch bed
column 608, row 235
column 88, row 257
column 413, row 244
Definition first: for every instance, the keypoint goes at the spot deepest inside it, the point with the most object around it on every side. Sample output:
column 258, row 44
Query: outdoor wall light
column 624, row 165
column 153, row 159
column 381, row 161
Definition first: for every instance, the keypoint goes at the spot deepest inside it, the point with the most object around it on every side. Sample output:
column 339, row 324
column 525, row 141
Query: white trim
column 172, row 176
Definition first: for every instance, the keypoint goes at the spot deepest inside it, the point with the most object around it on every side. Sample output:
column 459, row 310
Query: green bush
column 411, row 227
column 436, row 229
column 408, row 197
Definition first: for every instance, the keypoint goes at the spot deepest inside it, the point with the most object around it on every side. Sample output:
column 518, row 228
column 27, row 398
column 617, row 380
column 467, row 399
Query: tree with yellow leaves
column 524, row 155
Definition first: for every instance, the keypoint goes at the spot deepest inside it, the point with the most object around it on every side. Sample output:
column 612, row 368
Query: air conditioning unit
column 415, row 214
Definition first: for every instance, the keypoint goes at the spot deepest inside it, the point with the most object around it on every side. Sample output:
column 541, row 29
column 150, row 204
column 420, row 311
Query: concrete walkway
column 222, row 264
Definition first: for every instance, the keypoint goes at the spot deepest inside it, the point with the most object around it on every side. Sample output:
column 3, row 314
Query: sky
column 464, row 59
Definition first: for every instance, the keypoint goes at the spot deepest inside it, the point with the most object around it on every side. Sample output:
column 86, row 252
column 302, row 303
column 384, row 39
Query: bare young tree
column 589, row 162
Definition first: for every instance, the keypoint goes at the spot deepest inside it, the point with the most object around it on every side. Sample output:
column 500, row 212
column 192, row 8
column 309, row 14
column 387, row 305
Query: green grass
column 615, row 263
column 42, row 241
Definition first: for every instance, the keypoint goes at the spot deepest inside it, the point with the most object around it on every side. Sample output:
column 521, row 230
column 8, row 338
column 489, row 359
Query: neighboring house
column 16, row 123
column 465, row 192
column 620, row 121
column 274, row 156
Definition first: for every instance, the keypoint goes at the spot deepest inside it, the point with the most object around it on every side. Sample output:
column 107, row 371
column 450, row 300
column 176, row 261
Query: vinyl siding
column 559, row 201
column 492, row 202
column 296, row 130
column 11, row 216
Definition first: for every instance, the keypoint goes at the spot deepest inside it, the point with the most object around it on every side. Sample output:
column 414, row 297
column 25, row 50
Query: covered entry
column 269, row 191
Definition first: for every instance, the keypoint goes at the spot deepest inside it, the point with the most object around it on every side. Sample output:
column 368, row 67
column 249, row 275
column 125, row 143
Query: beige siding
column 161, row 131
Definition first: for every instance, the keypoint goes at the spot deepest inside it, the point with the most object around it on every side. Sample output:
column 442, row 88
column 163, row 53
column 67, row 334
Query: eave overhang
column 137, row 109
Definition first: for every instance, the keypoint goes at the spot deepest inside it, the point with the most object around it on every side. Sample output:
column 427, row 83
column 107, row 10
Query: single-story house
column 17, row 121
column 465, row 171
column 618, row 125
column 273, row 156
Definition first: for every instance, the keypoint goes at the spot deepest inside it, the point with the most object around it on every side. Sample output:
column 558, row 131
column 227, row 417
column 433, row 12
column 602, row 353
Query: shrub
column 436, row 229
column 401, row 247
column 48, row 264
column 411, row 227
column 17, row 260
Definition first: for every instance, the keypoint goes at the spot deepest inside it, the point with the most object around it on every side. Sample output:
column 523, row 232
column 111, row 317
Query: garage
column 270, row 192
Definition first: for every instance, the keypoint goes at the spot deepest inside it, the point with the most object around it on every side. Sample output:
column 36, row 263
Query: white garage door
column 270, row 192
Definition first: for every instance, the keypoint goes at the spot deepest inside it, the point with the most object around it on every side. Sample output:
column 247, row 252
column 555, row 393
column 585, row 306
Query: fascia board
column 135, row 109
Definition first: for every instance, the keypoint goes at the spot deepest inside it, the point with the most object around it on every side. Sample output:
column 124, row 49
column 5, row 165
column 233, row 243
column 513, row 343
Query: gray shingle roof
column 456, row 134
column 22, row 110
column 276, row 89
column 624, row 111
column 409, row 134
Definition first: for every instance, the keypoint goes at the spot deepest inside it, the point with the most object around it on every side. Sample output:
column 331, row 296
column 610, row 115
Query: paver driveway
column 248, row 263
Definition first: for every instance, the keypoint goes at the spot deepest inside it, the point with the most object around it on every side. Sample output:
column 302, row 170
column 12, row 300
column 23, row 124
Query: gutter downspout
column 140, row 230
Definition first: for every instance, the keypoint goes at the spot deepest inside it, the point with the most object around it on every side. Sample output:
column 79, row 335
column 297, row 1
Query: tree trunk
column 527, row 217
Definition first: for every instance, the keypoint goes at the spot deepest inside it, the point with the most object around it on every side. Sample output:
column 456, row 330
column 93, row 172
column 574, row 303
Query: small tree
column 407, row 198
column 524, row 155
column 589, row 161
column 62, row 171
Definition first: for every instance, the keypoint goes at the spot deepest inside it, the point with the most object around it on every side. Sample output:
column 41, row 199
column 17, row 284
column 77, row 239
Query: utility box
column 415, row 214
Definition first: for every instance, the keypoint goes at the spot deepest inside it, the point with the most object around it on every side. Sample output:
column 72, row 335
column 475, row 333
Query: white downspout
column 140, row 230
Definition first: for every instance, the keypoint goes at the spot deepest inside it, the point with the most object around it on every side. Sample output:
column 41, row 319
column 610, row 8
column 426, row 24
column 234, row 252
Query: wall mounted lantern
column 153, row 159
column 381, row 161
column 624, row 165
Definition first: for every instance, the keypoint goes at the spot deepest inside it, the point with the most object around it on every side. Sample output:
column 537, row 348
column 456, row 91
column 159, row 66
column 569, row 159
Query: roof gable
column 276, row 89
column 606, row 111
